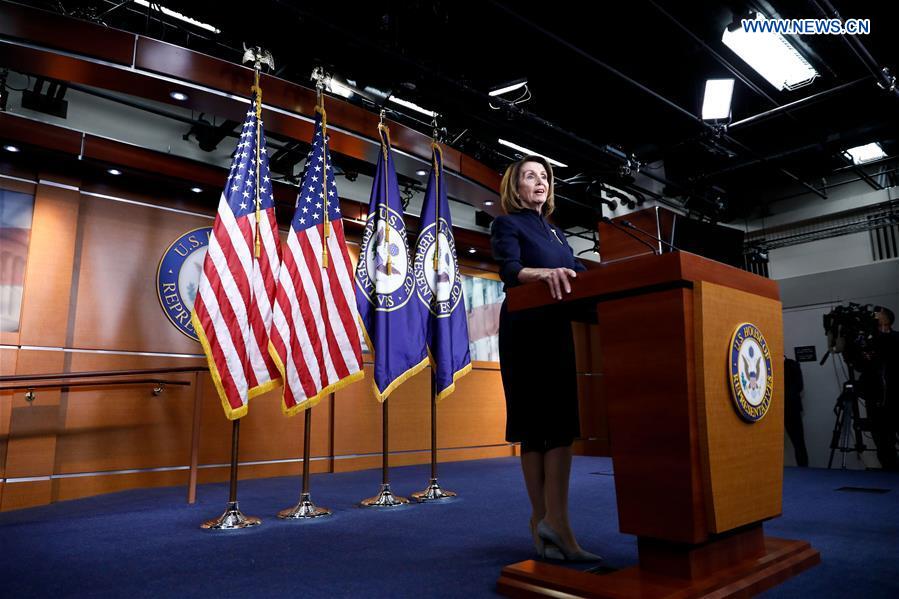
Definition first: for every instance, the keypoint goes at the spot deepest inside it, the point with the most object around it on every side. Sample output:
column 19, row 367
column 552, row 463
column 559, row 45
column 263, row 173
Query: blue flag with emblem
column 393, row 320
column 439, row 285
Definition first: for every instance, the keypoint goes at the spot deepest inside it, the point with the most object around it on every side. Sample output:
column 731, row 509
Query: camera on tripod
column 850, row 332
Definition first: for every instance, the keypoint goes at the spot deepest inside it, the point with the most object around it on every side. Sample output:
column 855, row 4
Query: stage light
column 176, row 15
column 528, row 152
column 338, row 88
column 421, row 172
column 866, row 153
column 50, row 100
column 505, row 88
column 208, row 135
column 772, row 56
column 412, row 106
column 717, row 98
column 472, row 251
column 114, row 171
column 176, row 95
column 11, row 148
column 488, row 203
column 197, row 189
column 375, row 92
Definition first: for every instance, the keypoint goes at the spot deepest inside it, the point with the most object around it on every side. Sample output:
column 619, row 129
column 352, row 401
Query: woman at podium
column 536, row 352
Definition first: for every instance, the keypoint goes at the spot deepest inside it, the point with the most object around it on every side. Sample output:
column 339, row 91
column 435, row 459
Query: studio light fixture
column 11, row 148
column 866, row 153
column 412, row 106
column 338, row 88
column 716, row 99
column 528, row 152
column 176, row 15
column 375, row 92
column 472, row 251
column 49, row 100
column 770, row 54
column 488, row 203
column 176, row 95
column 421, row 172
column 505, row 88
column 197, row 189
column 114, row 171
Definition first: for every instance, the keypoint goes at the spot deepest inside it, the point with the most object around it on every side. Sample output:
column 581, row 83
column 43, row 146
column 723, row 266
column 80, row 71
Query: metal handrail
column 109, row 377
column 29, row 387
column 99, row 374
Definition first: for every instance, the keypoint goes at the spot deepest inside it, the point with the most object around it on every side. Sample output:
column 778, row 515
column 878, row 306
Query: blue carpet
column 147, row 543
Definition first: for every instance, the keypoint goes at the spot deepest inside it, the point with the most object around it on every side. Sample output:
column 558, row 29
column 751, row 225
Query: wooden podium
column 693, row 480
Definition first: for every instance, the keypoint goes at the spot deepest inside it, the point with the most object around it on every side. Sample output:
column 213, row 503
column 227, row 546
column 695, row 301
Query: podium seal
column 751, row 377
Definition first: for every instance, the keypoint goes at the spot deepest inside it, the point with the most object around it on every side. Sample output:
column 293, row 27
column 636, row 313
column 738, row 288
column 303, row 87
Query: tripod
column 847, row 422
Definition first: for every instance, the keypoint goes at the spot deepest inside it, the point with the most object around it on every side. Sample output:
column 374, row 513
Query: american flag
column 233, row 308
column 315, row 337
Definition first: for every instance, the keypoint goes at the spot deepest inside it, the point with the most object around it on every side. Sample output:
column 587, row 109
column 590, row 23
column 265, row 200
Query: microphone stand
column 626, row 230
column 631, row 225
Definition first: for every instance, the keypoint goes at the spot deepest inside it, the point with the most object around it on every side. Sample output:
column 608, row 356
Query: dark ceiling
column 605, row 77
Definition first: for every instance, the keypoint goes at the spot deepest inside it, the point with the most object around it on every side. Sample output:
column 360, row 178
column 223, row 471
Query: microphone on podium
column 626, row 230
column 631, row 225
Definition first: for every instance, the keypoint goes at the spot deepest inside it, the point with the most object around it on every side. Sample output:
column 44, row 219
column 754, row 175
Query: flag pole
column 232, row 518
column 385, row 498
column 305, row 509
column 433, row 490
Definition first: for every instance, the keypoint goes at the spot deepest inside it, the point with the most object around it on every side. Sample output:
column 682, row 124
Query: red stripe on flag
column 297, row 355
column 218, row 357
column 342, row 318
column 336, row 360
column 347, row 314
column 229, row 318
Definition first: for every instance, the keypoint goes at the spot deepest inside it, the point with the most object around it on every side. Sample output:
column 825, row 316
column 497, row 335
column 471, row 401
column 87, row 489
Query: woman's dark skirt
column 536, row 353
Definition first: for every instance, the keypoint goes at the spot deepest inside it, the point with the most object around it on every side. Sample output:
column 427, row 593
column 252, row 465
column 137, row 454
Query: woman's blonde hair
column 508, row 189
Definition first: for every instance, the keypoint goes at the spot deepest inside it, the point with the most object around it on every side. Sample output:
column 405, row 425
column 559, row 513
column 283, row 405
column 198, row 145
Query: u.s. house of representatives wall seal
column 751, row 376
column 178, row 277
column 437, row 281
column 383, row 271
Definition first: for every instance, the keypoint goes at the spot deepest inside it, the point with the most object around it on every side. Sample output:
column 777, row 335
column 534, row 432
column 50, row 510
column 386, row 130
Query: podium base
column 231, row 519
column 782, row 559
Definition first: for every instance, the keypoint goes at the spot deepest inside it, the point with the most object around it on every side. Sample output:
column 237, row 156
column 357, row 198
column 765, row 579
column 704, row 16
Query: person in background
column 880, row 388
column 793, row 409
column 536, row 352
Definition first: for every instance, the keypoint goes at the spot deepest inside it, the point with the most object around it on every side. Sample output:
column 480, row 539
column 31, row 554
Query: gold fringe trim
column 452, row 387
column 381, row 396
column 310, row 402
column 230, row 413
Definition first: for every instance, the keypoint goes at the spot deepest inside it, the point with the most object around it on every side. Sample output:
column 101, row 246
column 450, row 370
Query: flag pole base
column 432, row 493
column 385, row 498
column 232, row 519
column 303, row 510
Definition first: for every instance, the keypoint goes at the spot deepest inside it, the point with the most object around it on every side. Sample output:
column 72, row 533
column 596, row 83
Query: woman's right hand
column 555, row 278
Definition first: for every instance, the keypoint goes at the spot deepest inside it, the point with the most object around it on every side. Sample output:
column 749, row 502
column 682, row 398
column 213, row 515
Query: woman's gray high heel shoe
column 548, row 535
column 543, row 550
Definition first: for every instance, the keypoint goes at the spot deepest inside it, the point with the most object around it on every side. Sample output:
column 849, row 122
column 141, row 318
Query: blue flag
column 439, row 285
column 393, row 320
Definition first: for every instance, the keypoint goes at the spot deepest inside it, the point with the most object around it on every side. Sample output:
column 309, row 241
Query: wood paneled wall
column 90, row 303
